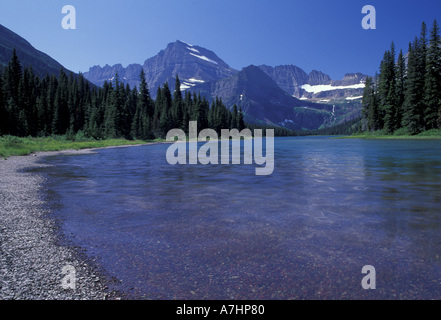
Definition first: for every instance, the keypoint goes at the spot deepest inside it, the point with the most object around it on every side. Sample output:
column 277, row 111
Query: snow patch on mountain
column 354, row 98
column 190, row 45
column 203, row 58
column 196, row 80
column 186, row 84
column 327, row 87
column 193, row 49
column 285, row 122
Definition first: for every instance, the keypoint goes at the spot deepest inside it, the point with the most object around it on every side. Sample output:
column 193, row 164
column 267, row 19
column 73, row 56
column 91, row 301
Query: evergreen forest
column 70, row 105
column 405, row 95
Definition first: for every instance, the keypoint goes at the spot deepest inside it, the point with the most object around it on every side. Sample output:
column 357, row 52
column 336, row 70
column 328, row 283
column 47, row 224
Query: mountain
column 193, row 65
column 130, row 75
column 316, row 86
column 290, row 78
column 317, row 78
column 41, row 63
column 281, row 95
column 264, row 102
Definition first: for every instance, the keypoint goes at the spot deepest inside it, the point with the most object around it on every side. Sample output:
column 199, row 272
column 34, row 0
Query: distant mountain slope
column 130, row 75
column 316, row 86
column 41, row 63
column 264, row 102
column 193, row 64
column 290, row 78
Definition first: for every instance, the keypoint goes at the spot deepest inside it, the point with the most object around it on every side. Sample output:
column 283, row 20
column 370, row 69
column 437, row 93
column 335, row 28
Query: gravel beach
column 34, row 263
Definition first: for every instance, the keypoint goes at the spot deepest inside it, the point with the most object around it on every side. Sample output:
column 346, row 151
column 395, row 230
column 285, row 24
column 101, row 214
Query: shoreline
column 391, row 137
column 32, row 251
column 16, row 146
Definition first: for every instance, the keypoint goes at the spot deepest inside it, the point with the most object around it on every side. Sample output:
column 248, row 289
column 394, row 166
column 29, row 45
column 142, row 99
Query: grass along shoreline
column 15, row 146
column 397, row 135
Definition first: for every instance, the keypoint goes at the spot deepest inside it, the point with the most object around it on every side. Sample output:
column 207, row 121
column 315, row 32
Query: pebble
column 31, row 256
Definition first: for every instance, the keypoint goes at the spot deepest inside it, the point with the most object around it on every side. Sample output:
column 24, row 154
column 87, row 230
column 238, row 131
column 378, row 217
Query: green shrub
column 430, row 133
column 10, row 141
column 81, row 137
column 401, row 132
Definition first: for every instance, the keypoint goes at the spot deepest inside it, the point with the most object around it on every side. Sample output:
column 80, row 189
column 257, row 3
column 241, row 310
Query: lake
column 331, row 207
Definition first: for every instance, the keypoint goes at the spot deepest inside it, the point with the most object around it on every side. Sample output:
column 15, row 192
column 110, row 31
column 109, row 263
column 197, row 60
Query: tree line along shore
column 404, row 98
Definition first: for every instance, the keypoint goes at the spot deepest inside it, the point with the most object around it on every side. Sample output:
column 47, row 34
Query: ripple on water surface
column 221, row 232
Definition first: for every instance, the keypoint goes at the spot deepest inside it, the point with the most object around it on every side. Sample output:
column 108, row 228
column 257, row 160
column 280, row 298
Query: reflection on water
column 221, row 232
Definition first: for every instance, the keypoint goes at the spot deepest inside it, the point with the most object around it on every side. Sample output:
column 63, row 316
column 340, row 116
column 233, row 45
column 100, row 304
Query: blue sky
column 324, row 35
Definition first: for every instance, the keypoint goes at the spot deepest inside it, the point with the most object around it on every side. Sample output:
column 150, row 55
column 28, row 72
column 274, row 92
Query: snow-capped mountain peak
column 193, row 64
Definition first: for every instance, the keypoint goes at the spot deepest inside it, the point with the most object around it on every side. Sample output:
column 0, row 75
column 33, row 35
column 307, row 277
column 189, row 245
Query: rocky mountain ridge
column 264, row 102
column 280, row 95
column 195, row 65
column 316, row 86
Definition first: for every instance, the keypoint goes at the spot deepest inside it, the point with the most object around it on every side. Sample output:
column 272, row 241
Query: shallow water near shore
column 221, row 232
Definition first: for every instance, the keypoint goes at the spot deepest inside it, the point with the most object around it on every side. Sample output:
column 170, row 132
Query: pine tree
column 423, row 47
column 61, row 116
column 141, row 125
column 27, row 92
column 401, row 77
column 189, row 105
column 146, row 128
column 111, row 115
column 422, row 64
column 219, row 116
column 136, row 126
column 211, row 115
column 386, row 89
column 185, row 117
column 115, row 113
column 155, row 123
column 94, row 127
column 201, row 112
column 50, row 106
column 4, row 129
column 234, row 117
column 145, row 100
column 128, row 110
column 12, row 77
column 165, row 106
column 203, row 109
column 76, row 103
column 177, row 112
column 370, row 106
column 240, row 120
column 432, row 90
column 413, row 118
